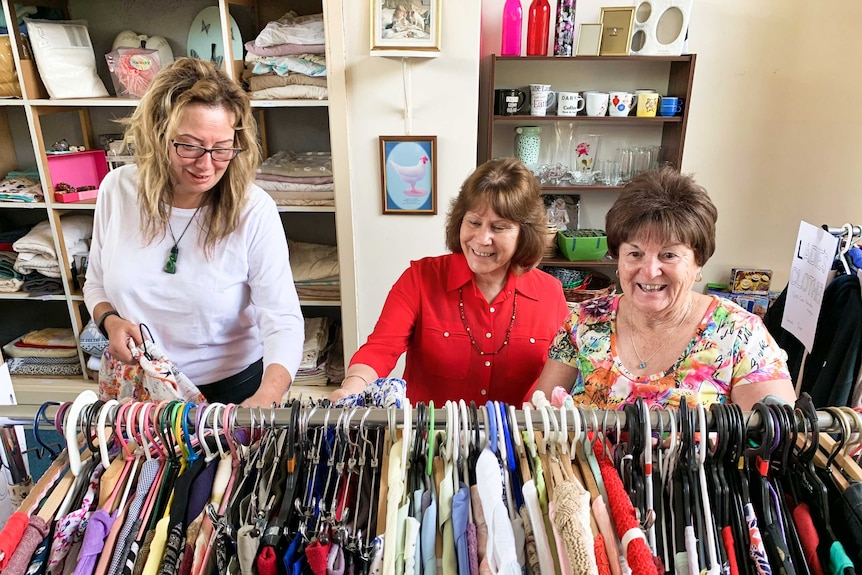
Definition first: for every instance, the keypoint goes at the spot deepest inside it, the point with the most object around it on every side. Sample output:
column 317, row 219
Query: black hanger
column 474, row 444
column 45, row 447
column 631, row 470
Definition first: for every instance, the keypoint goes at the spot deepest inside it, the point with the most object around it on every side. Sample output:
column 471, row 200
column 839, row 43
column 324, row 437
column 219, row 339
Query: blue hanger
column 510, row 451
column 492, row 425
column 187, row 436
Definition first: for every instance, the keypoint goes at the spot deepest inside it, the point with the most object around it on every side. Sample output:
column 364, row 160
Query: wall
column 444, row 100
column 766, row 135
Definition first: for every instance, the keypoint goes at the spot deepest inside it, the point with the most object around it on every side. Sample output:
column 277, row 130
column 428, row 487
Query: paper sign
column 812, row 259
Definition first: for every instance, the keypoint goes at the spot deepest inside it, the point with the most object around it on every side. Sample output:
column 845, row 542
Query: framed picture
column 408, row 174
column 617, row 30
column 405, row 25
column 589, row 40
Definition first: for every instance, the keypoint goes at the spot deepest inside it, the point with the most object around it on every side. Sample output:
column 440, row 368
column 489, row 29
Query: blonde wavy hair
column 153, row 127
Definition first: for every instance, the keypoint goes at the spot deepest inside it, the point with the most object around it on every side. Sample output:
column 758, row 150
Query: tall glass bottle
column 538, row 28
column 511, row 34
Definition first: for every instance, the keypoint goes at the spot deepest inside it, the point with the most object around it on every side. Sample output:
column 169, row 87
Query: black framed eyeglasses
column 192, row 151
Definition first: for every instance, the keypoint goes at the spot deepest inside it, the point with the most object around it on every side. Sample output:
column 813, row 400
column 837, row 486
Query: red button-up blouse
column 421, row 316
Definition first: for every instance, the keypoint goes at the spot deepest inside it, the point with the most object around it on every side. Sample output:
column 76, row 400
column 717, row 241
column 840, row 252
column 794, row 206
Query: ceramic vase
column 528, row 140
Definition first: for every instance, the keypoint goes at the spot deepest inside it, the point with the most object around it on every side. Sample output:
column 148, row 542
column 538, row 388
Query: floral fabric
column 731, row 347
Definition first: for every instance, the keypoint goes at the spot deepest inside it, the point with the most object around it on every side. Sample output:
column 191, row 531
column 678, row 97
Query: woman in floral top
column 661, row 340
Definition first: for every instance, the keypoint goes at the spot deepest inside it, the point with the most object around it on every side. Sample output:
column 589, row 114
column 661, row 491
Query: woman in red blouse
column 477, row 323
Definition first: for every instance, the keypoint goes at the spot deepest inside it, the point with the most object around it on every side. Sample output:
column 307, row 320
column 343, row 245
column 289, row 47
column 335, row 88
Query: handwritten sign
column 812, row 260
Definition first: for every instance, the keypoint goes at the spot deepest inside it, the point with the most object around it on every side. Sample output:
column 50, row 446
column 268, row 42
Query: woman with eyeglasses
column 184, row 243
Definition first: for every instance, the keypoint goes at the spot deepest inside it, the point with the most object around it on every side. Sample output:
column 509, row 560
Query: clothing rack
column 840, row 230
column 280, row 417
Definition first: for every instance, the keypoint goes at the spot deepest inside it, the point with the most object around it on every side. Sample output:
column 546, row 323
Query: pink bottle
column 512, row 17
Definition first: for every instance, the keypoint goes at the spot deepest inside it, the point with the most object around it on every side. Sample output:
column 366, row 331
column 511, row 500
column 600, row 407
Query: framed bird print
column 408, row 174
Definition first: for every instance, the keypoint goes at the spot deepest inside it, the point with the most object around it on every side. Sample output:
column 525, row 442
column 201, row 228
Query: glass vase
column 511, row 32
column 564, row 27
column 538, row 28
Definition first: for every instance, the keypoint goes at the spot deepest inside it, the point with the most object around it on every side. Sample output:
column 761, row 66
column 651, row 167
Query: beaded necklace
column 470, row 332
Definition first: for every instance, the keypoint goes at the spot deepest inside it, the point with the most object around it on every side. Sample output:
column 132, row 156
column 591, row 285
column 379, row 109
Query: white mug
column 570, row 103
column 597, row 103
column 542, row 98
column 621, row 103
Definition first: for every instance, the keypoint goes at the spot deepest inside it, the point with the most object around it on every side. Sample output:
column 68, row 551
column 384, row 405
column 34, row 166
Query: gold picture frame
column 405, row 25
column 617, row 23
column 589, row 40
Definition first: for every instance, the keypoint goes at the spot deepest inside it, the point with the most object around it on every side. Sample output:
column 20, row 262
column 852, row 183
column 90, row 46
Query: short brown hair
column 667, row 204
column 510, row 189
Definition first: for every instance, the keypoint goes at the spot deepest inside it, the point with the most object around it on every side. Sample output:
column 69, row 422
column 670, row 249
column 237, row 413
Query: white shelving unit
column 28, row 124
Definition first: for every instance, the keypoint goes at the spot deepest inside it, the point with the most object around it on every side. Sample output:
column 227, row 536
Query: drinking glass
column 626, row 159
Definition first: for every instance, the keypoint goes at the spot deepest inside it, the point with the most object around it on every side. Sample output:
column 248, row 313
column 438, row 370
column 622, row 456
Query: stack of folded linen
column 286, row 61
column 20, row 189
column 315, row 270
column 298, row 178
column 47, row 352
column 322, row 356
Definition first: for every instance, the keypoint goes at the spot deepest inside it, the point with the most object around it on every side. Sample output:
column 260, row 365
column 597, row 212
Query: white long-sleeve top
column 214, row 317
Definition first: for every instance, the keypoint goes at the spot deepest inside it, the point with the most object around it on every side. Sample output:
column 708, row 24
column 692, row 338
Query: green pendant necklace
column 171, row 264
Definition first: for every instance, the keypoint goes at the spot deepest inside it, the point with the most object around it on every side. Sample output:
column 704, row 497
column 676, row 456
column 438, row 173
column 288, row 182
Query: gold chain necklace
column 643, row 362
column 470, row 332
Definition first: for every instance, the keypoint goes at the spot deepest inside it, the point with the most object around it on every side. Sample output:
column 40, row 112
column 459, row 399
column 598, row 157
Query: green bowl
column 584, row 248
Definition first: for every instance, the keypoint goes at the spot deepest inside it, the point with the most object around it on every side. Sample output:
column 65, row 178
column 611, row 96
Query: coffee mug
column 620, row 103
column 669, row 106
column 647, row 104
column 542, row 98
column 597, row 103
column 508, row 102
column 570, row 103
column 640, row 91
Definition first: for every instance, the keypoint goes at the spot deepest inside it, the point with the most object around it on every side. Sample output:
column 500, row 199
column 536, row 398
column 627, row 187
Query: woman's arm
column 745, row 396
column 276, row 304
column 556, row 373
column 356, row 380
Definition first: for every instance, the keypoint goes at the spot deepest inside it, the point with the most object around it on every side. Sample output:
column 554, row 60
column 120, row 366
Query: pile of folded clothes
column 286, row 61
column 37, row 259
column 298, row 178
column 45, row 352
column 21, row 187
column 11, row 280
column 322, row 346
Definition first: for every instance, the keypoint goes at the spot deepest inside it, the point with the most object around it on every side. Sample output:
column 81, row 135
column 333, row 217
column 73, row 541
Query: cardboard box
column 78, row 169
column 750, row 281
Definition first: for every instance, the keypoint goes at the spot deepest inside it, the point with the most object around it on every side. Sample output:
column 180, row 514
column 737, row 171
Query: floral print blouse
column 731, row 347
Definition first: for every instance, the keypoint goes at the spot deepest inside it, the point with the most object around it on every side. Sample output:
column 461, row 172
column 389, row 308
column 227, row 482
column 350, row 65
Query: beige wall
column 766, row 136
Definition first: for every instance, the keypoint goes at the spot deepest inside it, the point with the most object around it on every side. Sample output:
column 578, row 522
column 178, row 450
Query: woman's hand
column 350, row 386
column 276, row 380
column 119, row 331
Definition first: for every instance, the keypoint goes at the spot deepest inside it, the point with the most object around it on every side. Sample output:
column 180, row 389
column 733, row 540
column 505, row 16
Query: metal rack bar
column 280, row 417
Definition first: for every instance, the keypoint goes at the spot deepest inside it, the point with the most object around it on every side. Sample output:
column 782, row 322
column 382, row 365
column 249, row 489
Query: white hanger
column 528, row 420
column 546, row 430
column 647, row 455
column 208, row 455
column 142, row 423
column 70, row 428
column 563, row 435
column 100, row 431
column 406, row 439
column 704, row 490
column 464, row 438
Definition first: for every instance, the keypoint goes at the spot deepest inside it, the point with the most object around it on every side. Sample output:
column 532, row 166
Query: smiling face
column 488, row 242
column 205, row 126
column 657, row 274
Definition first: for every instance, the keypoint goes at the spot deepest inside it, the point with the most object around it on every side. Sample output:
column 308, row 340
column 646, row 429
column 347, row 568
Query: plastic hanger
column 491, row 425
column 46, row 447
column 86, row 397
column 531, row 436
column 713, row 566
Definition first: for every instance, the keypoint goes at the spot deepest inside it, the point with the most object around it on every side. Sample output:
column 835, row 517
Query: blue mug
column 669, row 106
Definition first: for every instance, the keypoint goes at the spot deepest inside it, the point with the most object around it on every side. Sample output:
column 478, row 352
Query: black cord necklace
column 470, row 332
column 171, row 264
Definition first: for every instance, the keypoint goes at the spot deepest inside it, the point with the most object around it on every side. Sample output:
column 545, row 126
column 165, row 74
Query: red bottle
column 538, row 28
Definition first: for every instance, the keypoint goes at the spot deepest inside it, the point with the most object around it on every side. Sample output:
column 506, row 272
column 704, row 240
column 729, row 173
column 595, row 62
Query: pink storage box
column 78, row 169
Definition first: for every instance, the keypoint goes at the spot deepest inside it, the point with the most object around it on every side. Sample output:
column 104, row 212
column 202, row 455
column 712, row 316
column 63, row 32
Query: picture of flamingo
column 411, row 175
